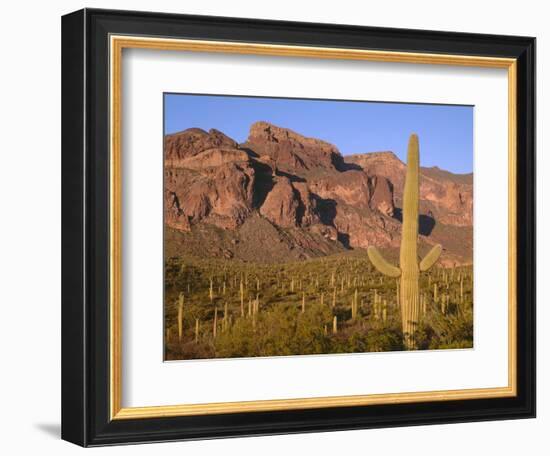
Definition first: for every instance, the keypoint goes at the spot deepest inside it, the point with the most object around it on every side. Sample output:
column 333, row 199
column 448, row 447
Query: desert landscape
column 266, row 248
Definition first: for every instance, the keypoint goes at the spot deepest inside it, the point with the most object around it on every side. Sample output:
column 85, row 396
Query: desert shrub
column 281, row 328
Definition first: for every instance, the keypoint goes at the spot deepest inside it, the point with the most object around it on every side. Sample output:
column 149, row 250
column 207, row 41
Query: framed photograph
column 279, row 227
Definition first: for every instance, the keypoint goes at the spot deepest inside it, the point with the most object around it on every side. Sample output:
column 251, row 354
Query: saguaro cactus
column 241, row 289
column 181, row 299
column 408, row 261
column 215, row 323
column 354, row 305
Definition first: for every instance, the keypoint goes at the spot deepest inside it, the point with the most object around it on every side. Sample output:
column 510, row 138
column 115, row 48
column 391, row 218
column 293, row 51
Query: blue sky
column 445, row 132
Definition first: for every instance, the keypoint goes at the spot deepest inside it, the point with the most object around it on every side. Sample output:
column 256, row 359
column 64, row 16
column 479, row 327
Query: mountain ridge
column 317, row 200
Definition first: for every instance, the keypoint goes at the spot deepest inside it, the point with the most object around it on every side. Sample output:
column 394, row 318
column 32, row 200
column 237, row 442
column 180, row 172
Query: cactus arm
column 430, row 259
column 381, row 264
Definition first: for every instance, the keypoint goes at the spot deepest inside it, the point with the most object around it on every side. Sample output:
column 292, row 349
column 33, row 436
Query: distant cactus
column 409, row 267
column 424, row 304
column 444, row 304
column 215, row 323
column 354, row 305
column 255, row 310
column 180, row 316
column 225, row 316
column 397, row 293
column 241, row 289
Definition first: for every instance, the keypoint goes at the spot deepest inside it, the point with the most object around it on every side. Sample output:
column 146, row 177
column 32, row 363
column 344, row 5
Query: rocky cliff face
column 314, row 200
column 446, row 196
column 290, row 151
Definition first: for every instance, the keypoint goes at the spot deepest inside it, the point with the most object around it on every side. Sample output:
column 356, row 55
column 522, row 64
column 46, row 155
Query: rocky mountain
column 281, row 196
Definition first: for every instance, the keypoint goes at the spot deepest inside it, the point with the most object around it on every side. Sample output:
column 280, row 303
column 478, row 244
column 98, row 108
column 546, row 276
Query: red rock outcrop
column 448, row 196
column 357, row 189
column 308, row 209
column 451, row 201
column 381, row 196
column 291, row 151
column 193, row 141
column 363, row 228
column 212, row 158
column 174, row 215
column 314, row 200
column 282, row 203
column 351, row 187
column 220, row 195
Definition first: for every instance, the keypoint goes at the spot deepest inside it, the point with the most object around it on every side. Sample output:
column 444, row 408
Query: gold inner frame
column 117, row 44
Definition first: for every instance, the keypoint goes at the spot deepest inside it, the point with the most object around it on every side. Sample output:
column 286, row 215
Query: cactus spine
column 409, row 269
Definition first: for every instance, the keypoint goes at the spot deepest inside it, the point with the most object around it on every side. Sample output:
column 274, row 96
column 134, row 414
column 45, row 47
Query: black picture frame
column 85, row 228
